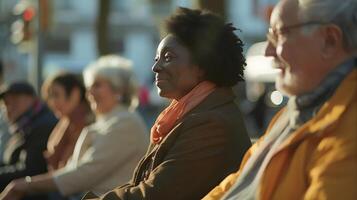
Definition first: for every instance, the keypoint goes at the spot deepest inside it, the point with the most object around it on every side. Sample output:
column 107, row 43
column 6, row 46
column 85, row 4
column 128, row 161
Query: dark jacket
column 24, row 150
column 202, row 148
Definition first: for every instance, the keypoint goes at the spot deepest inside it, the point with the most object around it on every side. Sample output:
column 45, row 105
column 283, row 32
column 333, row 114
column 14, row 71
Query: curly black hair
column 213, row 45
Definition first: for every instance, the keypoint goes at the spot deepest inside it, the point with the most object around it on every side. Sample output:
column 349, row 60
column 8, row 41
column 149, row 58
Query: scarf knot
column 177, row 109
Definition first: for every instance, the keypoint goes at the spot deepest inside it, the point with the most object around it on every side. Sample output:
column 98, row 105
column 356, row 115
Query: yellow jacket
column 319, row 160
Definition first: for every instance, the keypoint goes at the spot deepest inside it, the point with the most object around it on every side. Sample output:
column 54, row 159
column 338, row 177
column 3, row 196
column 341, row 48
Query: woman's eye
column 168, row 57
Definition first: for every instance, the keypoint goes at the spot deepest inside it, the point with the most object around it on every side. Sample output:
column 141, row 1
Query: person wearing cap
column 310, row 148
column 31, row 123
column 4, row 126
column 4, row 132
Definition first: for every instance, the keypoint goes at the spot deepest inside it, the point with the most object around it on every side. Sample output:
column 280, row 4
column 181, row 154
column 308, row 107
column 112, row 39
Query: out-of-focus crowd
column 75, row 131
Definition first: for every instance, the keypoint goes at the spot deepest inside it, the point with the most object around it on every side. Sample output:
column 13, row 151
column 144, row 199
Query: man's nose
column 270, row 50
column 90, row 90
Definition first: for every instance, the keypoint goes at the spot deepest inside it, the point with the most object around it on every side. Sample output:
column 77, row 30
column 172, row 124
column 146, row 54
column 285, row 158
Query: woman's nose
column 156, row 67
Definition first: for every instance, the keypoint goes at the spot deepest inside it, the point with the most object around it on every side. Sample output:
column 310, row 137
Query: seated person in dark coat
column 31, row 122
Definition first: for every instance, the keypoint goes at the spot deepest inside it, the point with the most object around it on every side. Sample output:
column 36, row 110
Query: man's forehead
column 15, row 95
column 285, row 13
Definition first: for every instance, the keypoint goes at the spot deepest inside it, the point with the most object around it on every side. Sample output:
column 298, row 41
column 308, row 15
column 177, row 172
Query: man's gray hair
column 118, row 72
column 342, row 13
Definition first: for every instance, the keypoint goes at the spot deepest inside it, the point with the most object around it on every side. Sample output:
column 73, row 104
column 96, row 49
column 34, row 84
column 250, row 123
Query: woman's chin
column 58, row 114
column 163, row 95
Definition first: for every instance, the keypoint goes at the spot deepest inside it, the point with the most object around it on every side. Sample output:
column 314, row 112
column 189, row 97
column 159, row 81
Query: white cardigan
column 105, row 154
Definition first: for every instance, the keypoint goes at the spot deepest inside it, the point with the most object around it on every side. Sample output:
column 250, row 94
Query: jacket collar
column 24, row 122
column 103, row 118
column 330, row 112
column 218, row 97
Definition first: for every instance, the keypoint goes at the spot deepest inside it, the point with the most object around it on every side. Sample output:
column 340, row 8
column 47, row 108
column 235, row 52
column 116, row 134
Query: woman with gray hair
column 118, row 71
column 106, row 151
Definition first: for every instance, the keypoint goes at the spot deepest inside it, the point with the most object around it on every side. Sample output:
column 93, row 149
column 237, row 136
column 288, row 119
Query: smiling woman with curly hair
column 200, row 137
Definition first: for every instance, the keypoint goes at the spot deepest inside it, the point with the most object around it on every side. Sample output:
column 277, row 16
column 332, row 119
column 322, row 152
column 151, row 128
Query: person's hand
column 15, row 190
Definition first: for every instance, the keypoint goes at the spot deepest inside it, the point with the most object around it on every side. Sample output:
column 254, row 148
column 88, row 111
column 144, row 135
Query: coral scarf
column 167, row 118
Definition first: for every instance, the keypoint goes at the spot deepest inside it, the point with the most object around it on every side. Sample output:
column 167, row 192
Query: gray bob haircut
column 342, row 13
column 118, row 72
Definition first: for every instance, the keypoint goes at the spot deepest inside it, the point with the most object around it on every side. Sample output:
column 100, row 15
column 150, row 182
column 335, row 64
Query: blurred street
column 41, row 37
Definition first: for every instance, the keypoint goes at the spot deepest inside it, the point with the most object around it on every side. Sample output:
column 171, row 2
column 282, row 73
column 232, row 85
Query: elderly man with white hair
column 106, row 151
column 310, row 148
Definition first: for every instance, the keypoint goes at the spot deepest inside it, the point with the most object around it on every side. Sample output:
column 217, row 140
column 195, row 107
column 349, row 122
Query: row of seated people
column 308, row 152
column 98, row 134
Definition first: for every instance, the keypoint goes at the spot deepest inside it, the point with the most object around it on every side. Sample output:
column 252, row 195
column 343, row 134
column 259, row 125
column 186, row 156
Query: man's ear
column 332, row 40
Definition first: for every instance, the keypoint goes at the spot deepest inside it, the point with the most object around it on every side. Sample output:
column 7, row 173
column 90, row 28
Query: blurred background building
column 41, row 37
